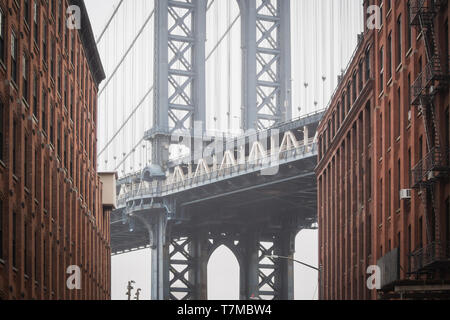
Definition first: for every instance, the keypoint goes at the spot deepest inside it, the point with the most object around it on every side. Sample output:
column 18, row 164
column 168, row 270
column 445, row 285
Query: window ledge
column 410, row 50
column 389, row 82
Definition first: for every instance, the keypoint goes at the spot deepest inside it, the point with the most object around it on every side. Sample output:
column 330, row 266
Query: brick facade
column 50, row 194
column 368, row 150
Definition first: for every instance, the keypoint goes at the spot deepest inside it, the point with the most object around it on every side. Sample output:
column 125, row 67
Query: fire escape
column 434, row 167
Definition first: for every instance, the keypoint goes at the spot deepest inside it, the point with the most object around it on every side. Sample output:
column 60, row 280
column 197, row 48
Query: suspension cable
column 223, row 36
column 127, row 52
column 109, row 22
column 151, row 89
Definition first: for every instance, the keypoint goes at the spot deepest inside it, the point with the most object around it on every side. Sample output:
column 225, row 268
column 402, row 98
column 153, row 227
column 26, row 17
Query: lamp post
column 299, row 262
column 129, row 288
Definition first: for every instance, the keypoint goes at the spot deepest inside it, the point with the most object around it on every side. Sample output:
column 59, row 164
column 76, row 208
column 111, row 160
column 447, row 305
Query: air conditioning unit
column 405, row 194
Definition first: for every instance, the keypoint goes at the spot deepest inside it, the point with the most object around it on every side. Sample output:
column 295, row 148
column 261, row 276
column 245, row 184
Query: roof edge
column 89, row 43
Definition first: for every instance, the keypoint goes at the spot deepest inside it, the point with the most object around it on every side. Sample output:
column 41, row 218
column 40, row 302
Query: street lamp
column 288, row 258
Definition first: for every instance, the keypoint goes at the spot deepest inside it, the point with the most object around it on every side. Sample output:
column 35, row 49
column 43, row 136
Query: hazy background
column 323, row 40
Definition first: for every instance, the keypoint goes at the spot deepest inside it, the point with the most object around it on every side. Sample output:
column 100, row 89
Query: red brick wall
column 58, row 202
column 350, row 200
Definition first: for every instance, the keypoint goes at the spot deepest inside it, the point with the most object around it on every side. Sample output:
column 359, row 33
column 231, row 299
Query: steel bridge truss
column 261, row 277
column 180, row 63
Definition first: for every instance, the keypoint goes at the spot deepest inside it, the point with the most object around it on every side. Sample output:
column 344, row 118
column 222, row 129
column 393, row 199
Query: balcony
column 420, row 10
column 432, row 167
column 435, row 70
column 425, row 10
column 389, row 266
column 426, row 259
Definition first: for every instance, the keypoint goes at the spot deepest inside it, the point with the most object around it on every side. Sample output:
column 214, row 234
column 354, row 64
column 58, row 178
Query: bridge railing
column 266, row 162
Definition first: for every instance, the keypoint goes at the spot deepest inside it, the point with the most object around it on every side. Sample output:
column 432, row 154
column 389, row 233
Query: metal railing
column 263, row 163
column 437, row 160
column 425, row 257
column 434, row 71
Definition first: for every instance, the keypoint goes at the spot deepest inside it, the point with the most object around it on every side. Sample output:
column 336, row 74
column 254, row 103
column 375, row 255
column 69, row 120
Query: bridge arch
column 223, row 274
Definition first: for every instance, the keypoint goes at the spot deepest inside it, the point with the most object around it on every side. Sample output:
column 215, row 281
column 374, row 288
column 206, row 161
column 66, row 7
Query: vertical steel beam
column 284, row 278
column 179, row 96
column 248, row 39
column 249, row 267
column 199, row 273
column 160, row 259
column 266, row 43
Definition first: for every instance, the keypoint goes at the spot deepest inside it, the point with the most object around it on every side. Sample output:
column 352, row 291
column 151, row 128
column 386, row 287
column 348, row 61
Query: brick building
column 383, row 171
column 51, row 212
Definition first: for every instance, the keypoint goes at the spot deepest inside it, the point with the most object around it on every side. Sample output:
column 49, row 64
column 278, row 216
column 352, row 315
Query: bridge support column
column 160, row 259
column 266, row 43
column 284, row 278
column 249, row 267
column 199, row 273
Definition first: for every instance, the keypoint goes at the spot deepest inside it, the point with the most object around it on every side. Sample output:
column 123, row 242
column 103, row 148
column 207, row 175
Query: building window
column 369, row 123
column 1, row 229
column 389, row 56
column 52, row 119
column 2, row 36
column 44, row 41
column 447, row 220
column 410, row 29
column 25, row 78
column 388, row 187
column 66, row 84
column 14, row 240
column 369, row 179
column 420, row 233
column 36, row 246
column 44, row 110
column 360, row 77
column 59, row 71
column 13, row 57
column 410, row 167
column 35, row 21
column 25, row 249
column 397, row 114
column 399, row 40
column 388, row 125
column 15, row 151
column 399, row 182
column 26, row 162
column 35, row 94
column 36, row 173
column 367, row 64
column 381, row 58
column 1, row 130
column 71, row 103
column 26, row 11
column 72, row 47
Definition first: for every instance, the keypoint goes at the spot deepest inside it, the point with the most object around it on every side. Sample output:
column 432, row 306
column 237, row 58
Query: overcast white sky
column 323, row 39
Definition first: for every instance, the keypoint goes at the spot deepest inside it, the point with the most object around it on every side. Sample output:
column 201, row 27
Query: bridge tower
column 179, row 259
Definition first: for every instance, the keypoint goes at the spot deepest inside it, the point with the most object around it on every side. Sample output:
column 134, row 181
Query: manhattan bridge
column 218, row 147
